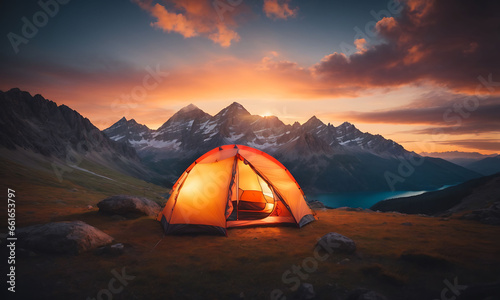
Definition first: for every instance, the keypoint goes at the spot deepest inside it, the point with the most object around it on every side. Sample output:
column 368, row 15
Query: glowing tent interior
column 233, row 186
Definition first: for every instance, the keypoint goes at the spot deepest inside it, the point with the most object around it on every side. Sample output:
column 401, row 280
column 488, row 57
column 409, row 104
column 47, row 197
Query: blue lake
column 362, row 199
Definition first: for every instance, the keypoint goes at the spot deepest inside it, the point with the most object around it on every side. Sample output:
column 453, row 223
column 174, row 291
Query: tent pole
column 237, row 189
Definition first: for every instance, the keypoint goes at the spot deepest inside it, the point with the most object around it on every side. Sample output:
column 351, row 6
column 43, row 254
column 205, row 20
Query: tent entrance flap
column 255, row 198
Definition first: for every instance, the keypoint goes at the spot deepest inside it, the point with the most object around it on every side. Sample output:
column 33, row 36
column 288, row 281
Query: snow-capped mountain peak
column 191, row 128
column 321, row 156
column 234, row 109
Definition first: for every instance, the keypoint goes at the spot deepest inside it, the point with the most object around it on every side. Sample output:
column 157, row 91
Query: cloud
column 361, row 45
column 191, row 18
column 446, row 43
column 279, row 9
column 475, row 127
column 172, row 22
column 480, row 144
column 446, row 113
column 272, row 62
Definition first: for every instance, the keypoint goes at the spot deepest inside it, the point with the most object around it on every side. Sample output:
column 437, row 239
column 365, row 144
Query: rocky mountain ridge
column 322, row 157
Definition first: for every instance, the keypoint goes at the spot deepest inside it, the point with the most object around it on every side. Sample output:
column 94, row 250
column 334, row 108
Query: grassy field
column 250, row 262
column 42, row 197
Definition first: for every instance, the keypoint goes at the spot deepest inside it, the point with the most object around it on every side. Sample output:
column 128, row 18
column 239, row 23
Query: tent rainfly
column 232, row 186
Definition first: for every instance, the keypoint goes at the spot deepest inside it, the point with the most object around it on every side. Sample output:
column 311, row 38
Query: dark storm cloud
column 449, row 43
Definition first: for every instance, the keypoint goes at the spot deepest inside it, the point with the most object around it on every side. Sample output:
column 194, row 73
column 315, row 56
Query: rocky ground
column 393, row 256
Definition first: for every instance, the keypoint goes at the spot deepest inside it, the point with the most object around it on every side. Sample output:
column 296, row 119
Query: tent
column 232, row 186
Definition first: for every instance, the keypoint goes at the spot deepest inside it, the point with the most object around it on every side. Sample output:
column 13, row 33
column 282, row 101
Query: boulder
column 335, row 242
column 62, row 237
column 129, row 206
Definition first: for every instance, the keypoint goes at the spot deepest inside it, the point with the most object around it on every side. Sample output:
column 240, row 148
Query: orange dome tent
column 232, row 186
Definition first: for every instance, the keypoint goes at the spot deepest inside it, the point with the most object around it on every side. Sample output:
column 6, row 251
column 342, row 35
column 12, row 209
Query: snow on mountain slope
column 191, row 127
column 322, row 156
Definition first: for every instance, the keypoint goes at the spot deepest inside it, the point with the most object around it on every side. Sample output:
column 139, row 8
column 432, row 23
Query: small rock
column 371, row 295
column 315, row 204
column 89, row 207
column 407, row 224
column 117, row 248
column 305, row 292
column 335, row 242
column 364, row 294
column 344, row 261
column 113, row 250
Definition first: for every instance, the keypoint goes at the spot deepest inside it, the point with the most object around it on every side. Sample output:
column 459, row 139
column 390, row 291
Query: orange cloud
column 276, row 9
column 360, row 45
column 172, row 22
column 386, row 24
column 224, row 36
column 191, row 18
column 273, row 63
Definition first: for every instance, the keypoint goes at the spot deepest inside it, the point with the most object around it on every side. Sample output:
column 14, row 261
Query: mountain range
column 34, row 127
column 480, row 163
column 322, row 157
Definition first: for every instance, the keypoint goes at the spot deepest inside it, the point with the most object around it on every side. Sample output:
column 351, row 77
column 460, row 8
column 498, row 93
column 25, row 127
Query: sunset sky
column 423, row 73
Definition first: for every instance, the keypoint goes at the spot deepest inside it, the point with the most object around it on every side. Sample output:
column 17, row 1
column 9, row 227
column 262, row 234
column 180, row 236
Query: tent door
column 251, row 197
